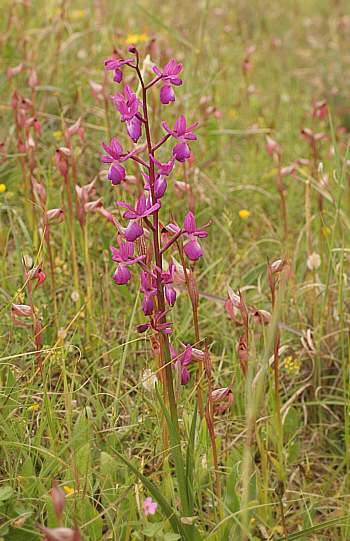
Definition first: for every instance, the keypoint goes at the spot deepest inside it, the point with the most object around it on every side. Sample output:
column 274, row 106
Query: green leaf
column 169, row 512
column 5, row 493
column 171, row 537
column 231, row 499
column 151, row 529
column 95, row 527
column 87, row 436
column 83, row 460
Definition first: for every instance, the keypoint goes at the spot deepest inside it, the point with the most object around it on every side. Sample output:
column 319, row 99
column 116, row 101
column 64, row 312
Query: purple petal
column 169, row 68
column 193, row 250
column 133, row 231
column 148, row 305
column 185, row 377
column 180, row 125
column 157, row 71
column 170, row 295
column 160, row 187
column 190, row 222
column 181, row 151
column 134, row 128
column 116, row 174
column 190, row 136
column 176, row 81
column 116, row 146
column 166, row 127
column 167, row 94
column 117, row 75
column 141, row 205
column 107, row 159
column 121, row 276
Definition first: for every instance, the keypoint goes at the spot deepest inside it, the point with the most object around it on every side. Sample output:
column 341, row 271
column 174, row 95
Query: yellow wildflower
column 69, row 490
column 57, row 135
column 134, row 39
column 77, row 14
column 233, row 112
column 244, row 214
column 2, row 188
column 34, row 407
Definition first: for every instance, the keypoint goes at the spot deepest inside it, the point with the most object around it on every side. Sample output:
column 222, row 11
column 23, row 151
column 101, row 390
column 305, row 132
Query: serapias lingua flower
column 115, row 156
column 181, row 151
column 123, row 257
column 169, row 76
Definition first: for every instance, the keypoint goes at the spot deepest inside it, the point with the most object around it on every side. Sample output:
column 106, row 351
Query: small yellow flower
column 261, row 122
column 77, row 14
column 68, row 490
column 244, row 214
column 58, row 11
column 57, row 135
column 2, row 188
column 34, row 407
column 326, row 231
column 233, row 113
column 134, row 39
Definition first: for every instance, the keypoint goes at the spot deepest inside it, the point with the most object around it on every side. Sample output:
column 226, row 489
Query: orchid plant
column 142, row 223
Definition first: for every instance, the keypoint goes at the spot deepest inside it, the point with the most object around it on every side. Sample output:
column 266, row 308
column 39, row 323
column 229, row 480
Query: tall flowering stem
column 164, row 342
column 194, row 297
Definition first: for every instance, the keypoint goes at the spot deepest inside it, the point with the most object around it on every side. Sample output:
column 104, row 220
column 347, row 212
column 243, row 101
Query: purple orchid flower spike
column 115, row 156
column 123, row 257
column 170, row 76
column 184, row 360
column 181, row 151
column 134, row 230
column 149, row 290
column 115, row 65
column 154, row 323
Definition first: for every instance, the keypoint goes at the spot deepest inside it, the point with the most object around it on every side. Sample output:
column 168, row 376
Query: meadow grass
column 90, row 421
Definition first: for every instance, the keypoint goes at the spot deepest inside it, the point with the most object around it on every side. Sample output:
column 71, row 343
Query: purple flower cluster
column 142, row 229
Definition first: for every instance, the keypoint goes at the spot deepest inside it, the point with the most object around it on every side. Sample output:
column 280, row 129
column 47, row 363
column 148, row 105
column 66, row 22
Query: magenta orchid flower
column 115, row 156
column 128, row 107
column 184, row 360
column 160, row 186
column 115, row 65
column 169, row 76
column 134, row 230
column 192, row 249
column 164, row 169
column 154, row 323
column 167, row 280
column 181, row 151
column 149, row 507
column 123, row 257
column 149, row 290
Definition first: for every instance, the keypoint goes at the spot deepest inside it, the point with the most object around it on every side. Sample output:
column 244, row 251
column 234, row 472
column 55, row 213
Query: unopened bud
column 193, row 290
column 132, row 49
